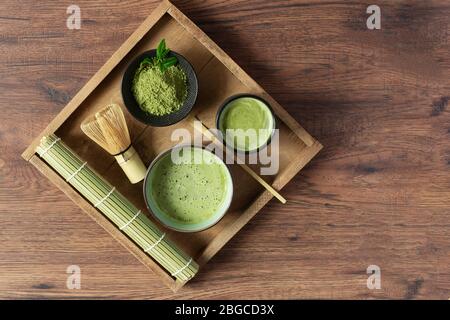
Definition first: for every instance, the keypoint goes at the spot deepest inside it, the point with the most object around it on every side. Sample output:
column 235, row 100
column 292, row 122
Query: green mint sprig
column 161, row 60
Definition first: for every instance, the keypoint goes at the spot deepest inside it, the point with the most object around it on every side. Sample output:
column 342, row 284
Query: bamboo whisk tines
column 108, row 128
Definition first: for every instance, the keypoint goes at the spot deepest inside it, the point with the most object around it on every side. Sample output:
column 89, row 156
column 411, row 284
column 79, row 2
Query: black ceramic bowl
column 166, row 120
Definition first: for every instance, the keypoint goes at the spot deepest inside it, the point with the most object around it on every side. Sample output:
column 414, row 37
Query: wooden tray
column 219, row 77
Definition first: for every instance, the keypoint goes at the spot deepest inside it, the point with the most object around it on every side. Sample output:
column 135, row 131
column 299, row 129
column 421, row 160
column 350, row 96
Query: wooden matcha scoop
column 209, row 135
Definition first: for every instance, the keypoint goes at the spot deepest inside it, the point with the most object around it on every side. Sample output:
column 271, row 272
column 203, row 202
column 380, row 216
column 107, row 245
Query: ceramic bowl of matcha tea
column 246, row 122
column 188, row 188
column 159, row 91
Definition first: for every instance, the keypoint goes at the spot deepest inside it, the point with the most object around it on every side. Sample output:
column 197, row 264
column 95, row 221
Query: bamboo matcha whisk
column 109, row 130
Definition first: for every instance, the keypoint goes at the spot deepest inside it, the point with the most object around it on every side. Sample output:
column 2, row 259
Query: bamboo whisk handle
column 132, row 165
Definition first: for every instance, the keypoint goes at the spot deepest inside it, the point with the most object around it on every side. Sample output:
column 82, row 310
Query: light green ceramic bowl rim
column 178, row 226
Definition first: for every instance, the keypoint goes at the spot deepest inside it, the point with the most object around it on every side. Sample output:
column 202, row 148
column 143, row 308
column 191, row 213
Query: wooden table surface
column 377, row 194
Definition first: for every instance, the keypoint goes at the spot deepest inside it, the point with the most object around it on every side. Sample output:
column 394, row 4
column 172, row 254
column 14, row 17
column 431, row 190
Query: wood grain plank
column 102, row 221
column 378, row 193
column 99, row 76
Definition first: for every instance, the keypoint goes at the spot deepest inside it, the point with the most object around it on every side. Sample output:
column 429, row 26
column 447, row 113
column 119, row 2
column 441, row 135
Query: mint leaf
column 161, row 49
column 169, row 62
column 146, row 61
column 171, row 59
column 161, row 58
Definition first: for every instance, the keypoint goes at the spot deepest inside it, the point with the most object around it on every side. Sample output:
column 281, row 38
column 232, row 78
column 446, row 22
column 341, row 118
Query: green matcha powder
column 159, row 93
